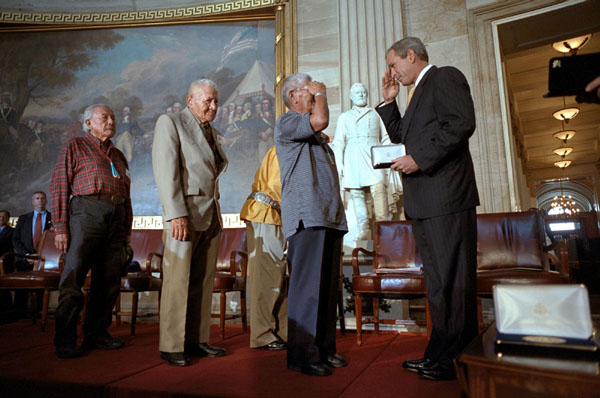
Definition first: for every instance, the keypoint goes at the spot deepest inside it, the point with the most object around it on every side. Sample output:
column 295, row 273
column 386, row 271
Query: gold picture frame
column 282, row 12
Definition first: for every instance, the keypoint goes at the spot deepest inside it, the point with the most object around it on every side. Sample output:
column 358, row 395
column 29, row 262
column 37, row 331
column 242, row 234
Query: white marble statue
column 357, row 130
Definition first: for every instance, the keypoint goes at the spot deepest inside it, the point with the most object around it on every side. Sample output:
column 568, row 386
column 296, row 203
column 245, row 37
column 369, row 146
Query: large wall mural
column 48, row 78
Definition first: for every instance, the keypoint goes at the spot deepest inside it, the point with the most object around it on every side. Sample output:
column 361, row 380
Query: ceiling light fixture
column 571, row 45
column 564, row 135
column 562, row 164
column 563, row 151
column 566, row 114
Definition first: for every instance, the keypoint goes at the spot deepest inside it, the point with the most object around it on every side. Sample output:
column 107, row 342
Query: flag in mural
column 245, row 39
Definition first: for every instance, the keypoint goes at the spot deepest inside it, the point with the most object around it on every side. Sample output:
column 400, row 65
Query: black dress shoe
column 414, row 365
column 68, row 351
column 438, row 372
column 175, row 358
column 203, row 350
column 275, row 345
column 335, row 361
column 313, row 369
column 102, row 341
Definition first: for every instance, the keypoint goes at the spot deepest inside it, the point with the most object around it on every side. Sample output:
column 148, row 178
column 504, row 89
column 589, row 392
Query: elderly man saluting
column 92, row 209
column 187, row 160
column 314, row 224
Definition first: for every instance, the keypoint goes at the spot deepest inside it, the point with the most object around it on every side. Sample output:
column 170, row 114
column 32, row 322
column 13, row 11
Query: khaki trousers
column 188, row 280
column 268, row 283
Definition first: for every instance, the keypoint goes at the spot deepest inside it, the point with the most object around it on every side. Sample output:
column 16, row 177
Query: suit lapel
column 192, row 127
column 28, row 229
column 414, row 102
column 215, row 136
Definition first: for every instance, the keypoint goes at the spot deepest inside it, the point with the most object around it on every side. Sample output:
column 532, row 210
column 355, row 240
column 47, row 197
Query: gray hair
column 401, row 48
column 87, row 115
column 291, row 83
column 202, row 83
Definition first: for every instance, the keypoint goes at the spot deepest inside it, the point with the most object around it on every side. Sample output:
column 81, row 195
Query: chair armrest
column 562, row 260
column 12, row 255
column 148, row 263
column 355, row 267
column 232, row 262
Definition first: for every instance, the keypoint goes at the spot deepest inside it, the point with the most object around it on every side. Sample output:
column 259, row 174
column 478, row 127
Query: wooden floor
column 29, row 368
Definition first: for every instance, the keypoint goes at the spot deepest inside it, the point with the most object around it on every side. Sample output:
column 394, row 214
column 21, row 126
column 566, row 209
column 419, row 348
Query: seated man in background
column 267, row 265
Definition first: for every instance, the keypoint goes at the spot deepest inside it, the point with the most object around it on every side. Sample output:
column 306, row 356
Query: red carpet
column 29, row 368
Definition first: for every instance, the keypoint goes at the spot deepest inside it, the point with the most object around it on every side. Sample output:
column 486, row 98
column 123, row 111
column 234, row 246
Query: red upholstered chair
column 232, row 264
column 148, row 250
column 511, row 250
column 397, row 272
column 48, row 265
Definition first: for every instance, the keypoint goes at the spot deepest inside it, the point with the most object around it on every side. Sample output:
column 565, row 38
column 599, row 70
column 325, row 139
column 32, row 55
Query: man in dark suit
column 28, row 231
column 440, row 194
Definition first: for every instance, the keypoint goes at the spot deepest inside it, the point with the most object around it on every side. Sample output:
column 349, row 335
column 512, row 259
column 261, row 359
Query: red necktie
column 37, row 233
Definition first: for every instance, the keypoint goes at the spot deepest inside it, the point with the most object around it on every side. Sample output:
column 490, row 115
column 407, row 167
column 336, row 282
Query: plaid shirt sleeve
column 60, row 189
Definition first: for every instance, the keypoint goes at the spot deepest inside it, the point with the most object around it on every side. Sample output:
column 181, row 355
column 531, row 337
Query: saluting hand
column 389, row 87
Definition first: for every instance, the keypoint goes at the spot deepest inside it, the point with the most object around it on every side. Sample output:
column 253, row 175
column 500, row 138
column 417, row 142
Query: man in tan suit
column 187, row 161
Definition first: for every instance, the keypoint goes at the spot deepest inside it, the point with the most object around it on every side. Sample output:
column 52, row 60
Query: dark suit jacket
column 23, row 236
column 6, row 236
column 436, row 129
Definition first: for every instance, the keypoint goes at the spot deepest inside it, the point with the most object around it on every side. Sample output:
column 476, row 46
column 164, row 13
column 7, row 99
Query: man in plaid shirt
column 92, row 206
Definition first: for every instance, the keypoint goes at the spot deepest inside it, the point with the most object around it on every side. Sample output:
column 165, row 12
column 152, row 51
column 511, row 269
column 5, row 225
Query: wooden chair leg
column 358, row 311
column 118, row 310
column 243, row 304
column 376, row 313
column 428, row 319
column 45, row 302
column 86, row 294
column 480, row 324
column 341, row 308
column 222, row 314
column 33, row 299
column 134, row 310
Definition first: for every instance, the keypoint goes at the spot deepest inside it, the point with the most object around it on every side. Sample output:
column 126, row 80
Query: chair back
column 510, row 240
column 145, row 241
column 49, row 255
column 231, row 239
column 395, row 248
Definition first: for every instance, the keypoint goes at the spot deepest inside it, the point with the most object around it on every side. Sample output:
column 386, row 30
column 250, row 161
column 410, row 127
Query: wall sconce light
column 562, row 164
column 571, row 45
column 563, row 151
column 566, row 114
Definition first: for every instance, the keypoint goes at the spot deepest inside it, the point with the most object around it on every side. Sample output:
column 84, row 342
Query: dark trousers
column 97, row 234
column 314, row 259
column 448, row 247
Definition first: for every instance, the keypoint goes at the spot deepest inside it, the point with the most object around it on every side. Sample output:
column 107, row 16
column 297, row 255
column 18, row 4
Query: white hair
column 292, row 82
column 87, row 115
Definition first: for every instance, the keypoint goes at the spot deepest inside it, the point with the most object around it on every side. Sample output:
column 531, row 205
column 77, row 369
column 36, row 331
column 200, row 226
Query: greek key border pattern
column 156, row 222
column 133, row 16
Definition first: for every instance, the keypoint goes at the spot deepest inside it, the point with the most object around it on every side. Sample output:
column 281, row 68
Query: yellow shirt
column 266, row 180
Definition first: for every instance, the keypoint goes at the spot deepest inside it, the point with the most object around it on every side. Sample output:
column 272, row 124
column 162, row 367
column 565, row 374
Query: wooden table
column 484, row 372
